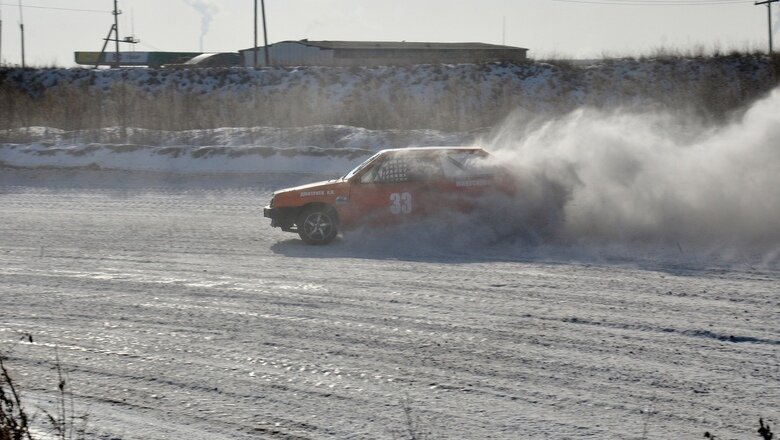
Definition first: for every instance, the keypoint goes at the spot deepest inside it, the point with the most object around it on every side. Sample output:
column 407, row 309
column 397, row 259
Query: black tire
column 318, row 225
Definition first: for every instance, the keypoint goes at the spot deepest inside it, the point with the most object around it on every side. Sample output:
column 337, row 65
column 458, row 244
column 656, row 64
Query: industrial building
column 374, row 53
column 159, row 59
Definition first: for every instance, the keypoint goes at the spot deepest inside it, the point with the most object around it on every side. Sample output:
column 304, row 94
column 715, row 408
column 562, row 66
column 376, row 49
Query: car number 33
column 400, row 203
column 392, row 186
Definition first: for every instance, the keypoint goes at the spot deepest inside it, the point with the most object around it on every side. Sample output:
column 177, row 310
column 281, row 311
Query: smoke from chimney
column 207, row 9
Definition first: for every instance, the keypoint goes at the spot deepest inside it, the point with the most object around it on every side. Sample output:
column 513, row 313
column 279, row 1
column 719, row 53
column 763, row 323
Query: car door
column 399, row 187
column 467, row 177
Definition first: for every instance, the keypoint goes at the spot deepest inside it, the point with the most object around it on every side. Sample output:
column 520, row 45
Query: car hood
column 325, row 184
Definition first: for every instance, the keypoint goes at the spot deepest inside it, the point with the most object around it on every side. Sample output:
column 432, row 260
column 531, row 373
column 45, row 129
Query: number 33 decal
column 400, row 203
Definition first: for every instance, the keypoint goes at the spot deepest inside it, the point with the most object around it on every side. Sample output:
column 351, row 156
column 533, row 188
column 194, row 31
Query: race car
column 390, row 187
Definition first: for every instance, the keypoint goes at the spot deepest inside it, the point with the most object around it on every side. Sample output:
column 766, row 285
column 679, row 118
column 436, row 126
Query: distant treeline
column 446, row 97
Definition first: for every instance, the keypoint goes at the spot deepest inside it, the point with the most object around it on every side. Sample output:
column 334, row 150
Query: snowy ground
column 179, row 313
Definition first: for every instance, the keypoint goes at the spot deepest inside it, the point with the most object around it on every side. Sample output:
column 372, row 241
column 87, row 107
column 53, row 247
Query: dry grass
column 16, row 420
column 426, row 96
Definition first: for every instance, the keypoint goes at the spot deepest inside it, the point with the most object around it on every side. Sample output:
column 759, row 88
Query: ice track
column 177, row 312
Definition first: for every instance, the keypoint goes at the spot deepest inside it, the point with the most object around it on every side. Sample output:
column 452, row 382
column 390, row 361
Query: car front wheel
column 318, row 225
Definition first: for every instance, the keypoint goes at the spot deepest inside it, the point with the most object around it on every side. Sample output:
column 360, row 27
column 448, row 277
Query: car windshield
column 360, row 167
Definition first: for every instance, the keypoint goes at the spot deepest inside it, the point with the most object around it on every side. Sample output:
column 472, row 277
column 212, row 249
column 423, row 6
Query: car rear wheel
column 318, row 225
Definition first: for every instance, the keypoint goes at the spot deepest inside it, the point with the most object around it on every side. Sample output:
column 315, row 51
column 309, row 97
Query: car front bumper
column 280, row 217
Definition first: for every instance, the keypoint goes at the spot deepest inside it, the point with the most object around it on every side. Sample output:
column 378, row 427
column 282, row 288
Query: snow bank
column 317, row 149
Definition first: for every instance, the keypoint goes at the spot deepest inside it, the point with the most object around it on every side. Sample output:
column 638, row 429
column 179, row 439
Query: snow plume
column 206, row 9
column 641, row 181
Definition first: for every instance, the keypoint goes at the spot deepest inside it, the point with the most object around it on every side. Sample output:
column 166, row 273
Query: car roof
column 389, row 150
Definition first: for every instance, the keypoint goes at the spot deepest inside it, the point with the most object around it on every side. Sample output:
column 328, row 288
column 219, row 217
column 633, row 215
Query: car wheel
column 318, row 225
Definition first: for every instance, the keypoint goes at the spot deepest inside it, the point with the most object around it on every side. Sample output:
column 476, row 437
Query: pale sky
column 549, row 28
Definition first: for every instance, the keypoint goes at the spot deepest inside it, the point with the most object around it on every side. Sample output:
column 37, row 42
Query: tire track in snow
column 170, row 306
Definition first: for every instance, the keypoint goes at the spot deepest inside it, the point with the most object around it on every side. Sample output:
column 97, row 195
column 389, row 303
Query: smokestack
column 21, row 29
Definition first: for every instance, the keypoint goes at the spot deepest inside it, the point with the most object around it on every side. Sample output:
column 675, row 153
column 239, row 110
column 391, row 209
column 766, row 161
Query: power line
column 58, row 9
column 658, row 2
column 150, row 46
column 676, row 2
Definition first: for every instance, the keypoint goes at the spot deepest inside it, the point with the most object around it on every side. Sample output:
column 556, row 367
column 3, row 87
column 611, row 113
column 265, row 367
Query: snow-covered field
column 177, row 312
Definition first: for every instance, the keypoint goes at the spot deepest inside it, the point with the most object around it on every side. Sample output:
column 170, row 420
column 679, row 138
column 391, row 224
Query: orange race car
column 390, row 187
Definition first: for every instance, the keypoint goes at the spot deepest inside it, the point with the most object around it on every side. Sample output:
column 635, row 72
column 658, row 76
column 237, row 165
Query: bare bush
column 16, row 421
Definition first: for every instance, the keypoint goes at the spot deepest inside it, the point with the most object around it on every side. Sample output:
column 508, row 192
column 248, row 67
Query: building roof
column 396, row 45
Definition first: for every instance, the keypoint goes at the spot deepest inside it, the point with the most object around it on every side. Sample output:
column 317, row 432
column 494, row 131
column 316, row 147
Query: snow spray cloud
column 206, row 9
column 643, row 181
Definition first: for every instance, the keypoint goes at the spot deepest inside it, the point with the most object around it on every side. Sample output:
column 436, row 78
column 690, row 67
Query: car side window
column 403, row 168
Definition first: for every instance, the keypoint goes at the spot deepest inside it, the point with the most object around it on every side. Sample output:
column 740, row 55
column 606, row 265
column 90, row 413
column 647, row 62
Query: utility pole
column 255, row 45
column 116, row 34
column 768, row 4
column 103, row 50
column 265, row 34
column 114, row 30
column 21, row 28
column 1, row 35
